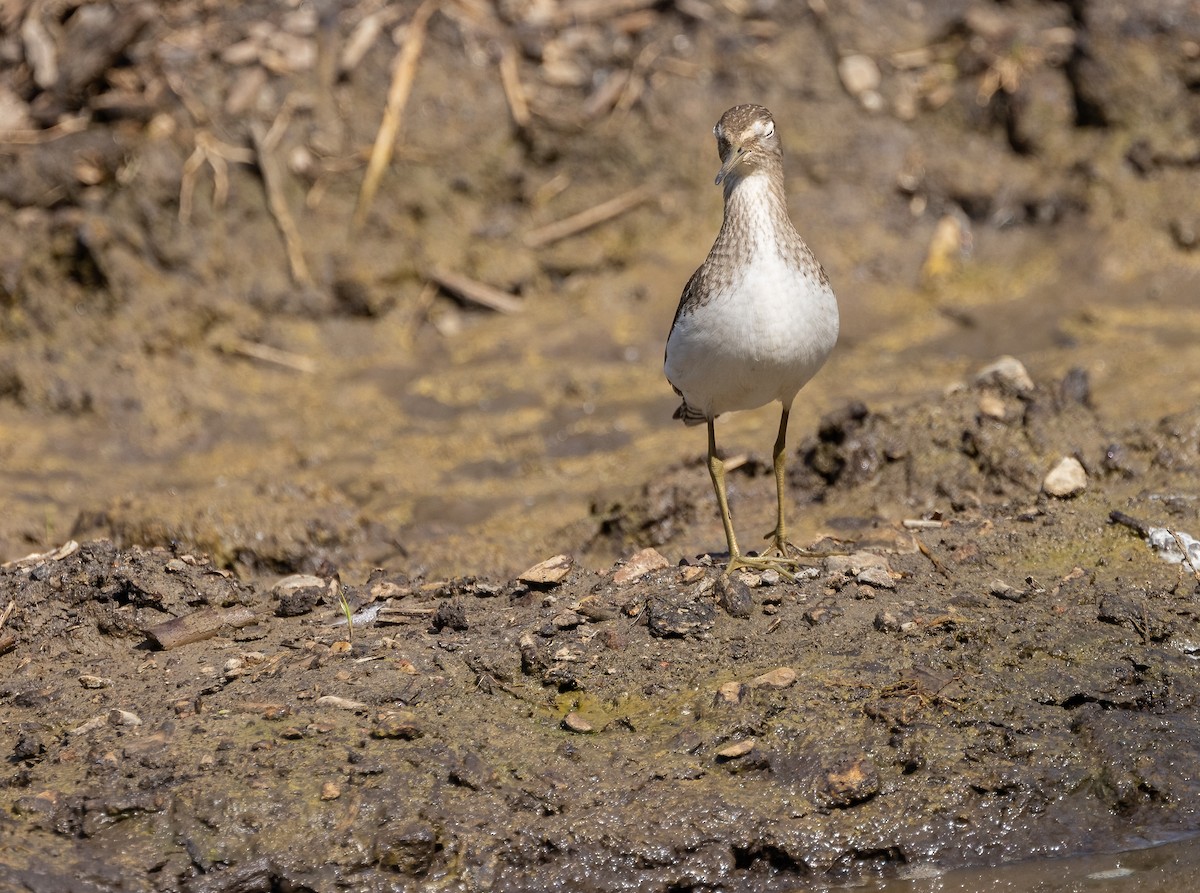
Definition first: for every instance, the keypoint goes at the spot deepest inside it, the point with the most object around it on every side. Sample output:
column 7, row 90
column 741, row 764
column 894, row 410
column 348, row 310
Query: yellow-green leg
column 716, row 470
column 779, row 458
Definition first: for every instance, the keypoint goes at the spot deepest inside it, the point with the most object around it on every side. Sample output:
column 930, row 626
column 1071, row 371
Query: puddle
column 1167, row 868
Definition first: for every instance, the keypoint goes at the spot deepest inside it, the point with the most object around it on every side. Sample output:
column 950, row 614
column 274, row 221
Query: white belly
column 758, row 340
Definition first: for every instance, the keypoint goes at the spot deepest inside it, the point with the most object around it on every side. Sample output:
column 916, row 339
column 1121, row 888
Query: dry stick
column 476, row 292
column 273, row 182
column 197, row 626
column 403, row 72
column 1186, row 560
column 510, row 80
column 268, row 354
column 37, row 137
column 584, row 220
column 587, row 11
column 937, row 564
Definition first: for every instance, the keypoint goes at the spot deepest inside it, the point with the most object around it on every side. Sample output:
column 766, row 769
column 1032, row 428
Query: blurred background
column 305, row 284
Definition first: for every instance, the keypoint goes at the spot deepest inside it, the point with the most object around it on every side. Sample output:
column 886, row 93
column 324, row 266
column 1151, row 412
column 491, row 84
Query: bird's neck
column 756, row 208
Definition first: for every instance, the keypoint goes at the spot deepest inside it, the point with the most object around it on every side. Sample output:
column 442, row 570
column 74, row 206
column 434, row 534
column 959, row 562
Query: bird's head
column 746, row 140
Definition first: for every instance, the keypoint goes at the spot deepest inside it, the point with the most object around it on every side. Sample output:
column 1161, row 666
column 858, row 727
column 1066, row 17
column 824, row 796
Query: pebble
column 451, row 614
column 638, row 565
column 1009, row 373
column 850, row 781
column 692, row 573
column 300, row 593
column 330, row 791
column 668, row 619
column 877, row 577
column 737, row 749
column 573, row 722
column 1066, row 479
column 734, row 596
column 118, row 717
column 29, row 747
column 567, row 619
column 781, row 677
column 861, row 78
column 887, row 622
column 729, row 694
column 399, row 724
column 1000, row 589
column 854, row 564
column 550, row 572
column 822, row 613
column 94, row 681
column 340, row 703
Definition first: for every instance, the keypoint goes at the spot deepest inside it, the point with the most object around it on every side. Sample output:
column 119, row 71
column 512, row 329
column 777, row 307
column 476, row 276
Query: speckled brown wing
column 687, row 302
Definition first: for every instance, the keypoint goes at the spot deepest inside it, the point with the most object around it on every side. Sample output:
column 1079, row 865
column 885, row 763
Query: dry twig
column 268, row 354
column 585, row 220
column 273, row 183
column 403, row 73
column 476, row 292
column 583, row 12
column 197, row 626
column 510, row 80
column 937, row 563
column 37, row 137
column 215, row 153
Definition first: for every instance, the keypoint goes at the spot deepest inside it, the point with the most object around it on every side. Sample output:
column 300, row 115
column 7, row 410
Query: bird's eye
column 769, row 130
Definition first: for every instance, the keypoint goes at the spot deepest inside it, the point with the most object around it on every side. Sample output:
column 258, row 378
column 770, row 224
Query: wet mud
column 1015, row 676
column 241, row 401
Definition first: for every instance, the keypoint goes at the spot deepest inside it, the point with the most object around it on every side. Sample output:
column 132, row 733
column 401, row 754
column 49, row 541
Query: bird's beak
column 735, row 158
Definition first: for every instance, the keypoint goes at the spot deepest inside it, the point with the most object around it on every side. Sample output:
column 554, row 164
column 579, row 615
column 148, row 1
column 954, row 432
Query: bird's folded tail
column 689, row 415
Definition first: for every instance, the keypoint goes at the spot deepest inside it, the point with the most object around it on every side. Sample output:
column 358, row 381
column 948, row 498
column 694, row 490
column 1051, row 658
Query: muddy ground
column 1015, row 676
column 222, row 367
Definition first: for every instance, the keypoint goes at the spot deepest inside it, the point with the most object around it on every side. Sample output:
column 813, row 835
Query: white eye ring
column 769, row 131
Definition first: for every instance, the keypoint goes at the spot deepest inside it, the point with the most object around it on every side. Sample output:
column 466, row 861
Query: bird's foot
column 781, row 548
column 785, row 565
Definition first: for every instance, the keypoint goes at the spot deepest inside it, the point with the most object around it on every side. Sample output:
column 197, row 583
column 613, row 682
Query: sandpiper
column 757, row 319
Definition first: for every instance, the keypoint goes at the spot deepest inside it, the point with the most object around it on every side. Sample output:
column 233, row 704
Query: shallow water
column 1167, row 868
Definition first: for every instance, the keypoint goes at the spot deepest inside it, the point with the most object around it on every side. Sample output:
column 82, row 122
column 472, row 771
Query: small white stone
column 780, row 677
column 573, row 722
column 859, row 74
column 1066, row 479
column 737, row 749
column 1009, row 373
